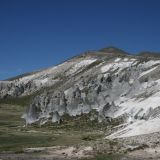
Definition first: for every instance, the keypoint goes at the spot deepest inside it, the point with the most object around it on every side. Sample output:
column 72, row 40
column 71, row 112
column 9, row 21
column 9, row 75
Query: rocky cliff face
column 109, row 82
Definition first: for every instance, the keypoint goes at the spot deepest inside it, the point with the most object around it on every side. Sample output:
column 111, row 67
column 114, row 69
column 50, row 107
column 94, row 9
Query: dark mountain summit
column 113, row 50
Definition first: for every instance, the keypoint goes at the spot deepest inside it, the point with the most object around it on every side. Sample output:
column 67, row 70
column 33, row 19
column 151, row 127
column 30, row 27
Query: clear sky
column 35, row 34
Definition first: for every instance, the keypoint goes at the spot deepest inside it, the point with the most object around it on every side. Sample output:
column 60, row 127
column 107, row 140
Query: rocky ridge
column 109, row 82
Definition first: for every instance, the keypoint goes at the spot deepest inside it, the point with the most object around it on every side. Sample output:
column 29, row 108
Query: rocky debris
column 64, row 152
column 50, row 153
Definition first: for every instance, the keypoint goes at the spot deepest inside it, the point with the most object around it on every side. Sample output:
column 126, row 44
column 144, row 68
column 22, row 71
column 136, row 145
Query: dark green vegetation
column 20, row 101
column 108, row 157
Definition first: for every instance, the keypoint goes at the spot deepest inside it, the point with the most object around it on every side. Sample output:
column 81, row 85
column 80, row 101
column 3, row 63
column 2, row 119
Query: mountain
column 107, row 84
column 150, row 54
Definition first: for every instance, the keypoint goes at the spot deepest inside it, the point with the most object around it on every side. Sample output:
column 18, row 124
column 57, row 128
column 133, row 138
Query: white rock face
column 31, row 83
column 114, row 86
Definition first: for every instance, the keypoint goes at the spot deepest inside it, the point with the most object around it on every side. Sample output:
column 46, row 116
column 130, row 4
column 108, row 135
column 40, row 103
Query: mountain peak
column 113, row 50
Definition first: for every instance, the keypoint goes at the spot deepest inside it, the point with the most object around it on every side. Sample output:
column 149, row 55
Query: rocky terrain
column 108, row 86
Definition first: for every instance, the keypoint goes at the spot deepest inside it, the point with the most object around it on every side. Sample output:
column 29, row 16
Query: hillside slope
column 109, row 84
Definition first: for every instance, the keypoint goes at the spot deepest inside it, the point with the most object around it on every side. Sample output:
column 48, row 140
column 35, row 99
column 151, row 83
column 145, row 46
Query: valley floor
column 66, row 155
column 73, row 139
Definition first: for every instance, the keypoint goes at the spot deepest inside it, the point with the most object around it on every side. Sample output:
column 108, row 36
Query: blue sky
column 35, row 34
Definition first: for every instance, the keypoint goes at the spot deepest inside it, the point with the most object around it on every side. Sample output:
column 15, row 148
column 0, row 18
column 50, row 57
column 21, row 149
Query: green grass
column 15, row 137
column 106, row 157
column 91, row 137
column 22, row 101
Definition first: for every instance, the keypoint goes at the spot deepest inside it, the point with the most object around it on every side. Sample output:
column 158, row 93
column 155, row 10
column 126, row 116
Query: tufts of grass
column 92, row 137
column 106, row 157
